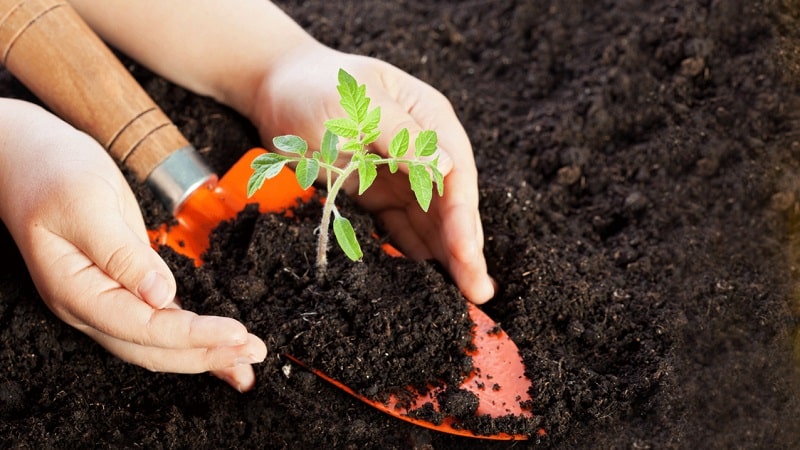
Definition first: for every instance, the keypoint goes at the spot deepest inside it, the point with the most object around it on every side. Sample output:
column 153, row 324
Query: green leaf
column 367, row 172
column 348, row 88
column 393, row 166
column 290, row 143
column 347, row 80
column 399, row 145
column 352, row 146
column 346, row 237
column 254, row 183
column 371, row 121
column 264, row 166
column 329, row 150
column 425, row 144
column 370, row 137
column 343, row 126
column 362, row 104
column 269, row 164
column 437, row 177
column 306, row 172
column 421, row 184
column 352, row 97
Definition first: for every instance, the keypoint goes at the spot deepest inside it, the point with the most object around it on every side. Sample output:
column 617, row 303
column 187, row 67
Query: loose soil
column 639, row 188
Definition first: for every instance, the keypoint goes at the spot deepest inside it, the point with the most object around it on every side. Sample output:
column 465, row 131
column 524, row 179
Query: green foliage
column 346, row 141
column 346, row 237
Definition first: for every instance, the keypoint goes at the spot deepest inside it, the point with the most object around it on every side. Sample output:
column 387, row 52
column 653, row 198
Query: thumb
column 125, row 255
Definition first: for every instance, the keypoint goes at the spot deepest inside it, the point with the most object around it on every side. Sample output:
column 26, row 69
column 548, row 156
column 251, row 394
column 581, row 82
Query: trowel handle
column 50, row 49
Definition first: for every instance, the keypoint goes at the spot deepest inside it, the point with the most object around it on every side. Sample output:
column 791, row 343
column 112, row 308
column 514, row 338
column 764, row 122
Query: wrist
column 249, row 93
column 18, row 120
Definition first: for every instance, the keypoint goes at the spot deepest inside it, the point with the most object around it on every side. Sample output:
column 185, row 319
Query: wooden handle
column 50, row 49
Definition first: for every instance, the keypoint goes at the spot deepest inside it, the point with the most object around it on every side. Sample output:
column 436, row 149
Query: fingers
column 231, row 364
column 81, row 233
column 240, row 377
column 405, row 113
column 452, row 232
column 463, row 235
column 455, row 242
column 123, row 254
column 169, row 339
column 191, row 360
column 91, row 299
column 86, row 297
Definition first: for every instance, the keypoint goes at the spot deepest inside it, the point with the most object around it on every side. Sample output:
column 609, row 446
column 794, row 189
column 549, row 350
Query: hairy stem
column 325, row 224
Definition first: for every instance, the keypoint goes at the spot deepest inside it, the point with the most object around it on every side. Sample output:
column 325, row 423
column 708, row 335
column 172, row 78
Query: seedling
column 346, row 141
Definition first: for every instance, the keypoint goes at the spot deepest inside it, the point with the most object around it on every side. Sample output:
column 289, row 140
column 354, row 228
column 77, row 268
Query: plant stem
column 327, row 211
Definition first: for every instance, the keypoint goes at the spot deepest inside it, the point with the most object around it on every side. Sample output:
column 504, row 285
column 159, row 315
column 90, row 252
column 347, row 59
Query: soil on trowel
column 639, row 177
column 382, row 326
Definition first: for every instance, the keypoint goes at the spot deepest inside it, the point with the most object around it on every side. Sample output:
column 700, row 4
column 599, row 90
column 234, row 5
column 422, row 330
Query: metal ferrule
column 178, row 176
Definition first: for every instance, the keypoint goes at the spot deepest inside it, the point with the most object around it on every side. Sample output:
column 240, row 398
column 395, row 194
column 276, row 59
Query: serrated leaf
column 329, row 148
column 399, row 145
column 353, row 97
column 291, row 144
column 351, row 146
column 254, row 183
column 367, row 172
column 264, row 166
column 425, row 144
column 393, row 166
column 343, row 126
column 347, row 80
column 370, row 137
column 270, row 164
column 438, row 178
column 348, row 91
column 371, row 121
column 346, row 237
column 421, row 184
column 362, row 103
column 306, row 172
column 267, row 159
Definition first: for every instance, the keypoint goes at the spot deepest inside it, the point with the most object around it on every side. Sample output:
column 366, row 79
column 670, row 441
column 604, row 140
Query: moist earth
column 638, row 178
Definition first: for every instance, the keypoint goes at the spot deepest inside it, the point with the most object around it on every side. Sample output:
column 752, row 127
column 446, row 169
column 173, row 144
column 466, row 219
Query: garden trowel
column 47, row 46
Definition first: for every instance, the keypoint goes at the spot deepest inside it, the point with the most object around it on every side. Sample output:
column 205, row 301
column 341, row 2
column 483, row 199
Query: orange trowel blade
column 497, row 378
column 208, row 206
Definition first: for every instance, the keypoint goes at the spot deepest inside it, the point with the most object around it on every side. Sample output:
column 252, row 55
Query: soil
column 638, row 172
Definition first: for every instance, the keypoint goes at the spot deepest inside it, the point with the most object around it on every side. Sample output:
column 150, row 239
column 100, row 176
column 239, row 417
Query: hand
column 299, row 93
column 256, row 59
column 80, row 230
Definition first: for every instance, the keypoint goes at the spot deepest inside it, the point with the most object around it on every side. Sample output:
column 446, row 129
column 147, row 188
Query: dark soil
column 639, row 182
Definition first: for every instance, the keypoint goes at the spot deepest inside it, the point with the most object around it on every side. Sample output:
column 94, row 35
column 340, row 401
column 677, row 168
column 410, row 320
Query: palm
column 300, row 96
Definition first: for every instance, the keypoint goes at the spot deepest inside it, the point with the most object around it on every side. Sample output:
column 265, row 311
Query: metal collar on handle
column 178, row 176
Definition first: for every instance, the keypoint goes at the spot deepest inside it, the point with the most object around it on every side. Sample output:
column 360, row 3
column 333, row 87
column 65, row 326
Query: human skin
column 78, row 225
column 251, row 56
column 79, row 228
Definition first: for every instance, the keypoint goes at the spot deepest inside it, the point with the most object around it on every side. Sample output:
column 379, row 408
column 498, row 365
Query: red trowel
column 46, row 45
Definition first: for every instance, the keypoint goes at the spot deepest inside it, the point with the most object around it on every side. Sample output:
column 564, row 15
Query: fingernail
column 487, row 292
column 246, row 381
column 445, row 162
column 154, row 290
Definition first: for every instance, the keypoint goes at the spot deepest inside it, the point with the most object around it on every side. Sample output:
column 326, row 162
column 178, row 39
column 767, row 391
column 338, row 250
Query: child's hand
column 251, row 56
column 81, row 232
column 299, row 94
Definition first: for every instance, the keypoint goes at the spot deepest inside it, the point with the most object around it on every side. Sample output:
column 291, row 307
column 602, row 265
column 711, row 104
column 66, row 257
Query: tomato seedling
column 344, row 150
